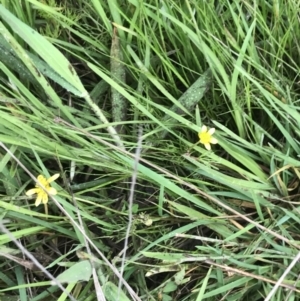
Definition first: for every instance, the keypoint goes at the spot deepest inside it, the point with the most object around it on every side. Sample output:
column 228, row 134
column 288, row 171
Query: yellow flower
column 42, row 195
column 206, row 138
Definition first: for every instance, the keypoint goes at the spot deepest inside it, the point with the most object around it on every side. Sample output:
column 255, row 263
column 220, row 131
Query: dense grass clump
column 174, row 128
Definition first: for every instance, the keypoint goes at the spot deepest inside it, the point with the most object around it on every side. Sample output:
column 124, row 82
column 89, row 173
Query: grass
column 112, row 95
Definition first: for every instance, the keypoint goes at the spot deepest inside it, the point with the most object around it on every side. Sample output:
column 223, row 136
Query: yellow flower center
column 44, row 182
column 42, row 196
column 205, row 137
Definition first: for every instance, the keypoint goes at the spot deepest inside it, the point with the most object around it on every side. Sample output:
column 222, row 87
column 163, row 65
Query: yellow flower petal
column 211, row 131
column 38, row 199
column 53, row 178
column 207, row 146
column 204, row 129
column 45, row 198
column 52, row 191
column 32, row 191
column 206, row 138
column 213, row 141
column 43, row 189
column 41, row 179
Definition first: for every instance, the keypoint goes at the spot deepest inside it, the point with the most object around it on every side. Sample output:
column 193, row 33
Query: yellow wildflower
column 206, row 138
column 42, row 195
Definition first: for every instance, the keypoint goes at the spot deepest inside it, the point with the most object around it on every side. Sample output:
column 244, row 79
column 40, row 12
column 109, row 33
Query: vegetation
column 120, row 98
